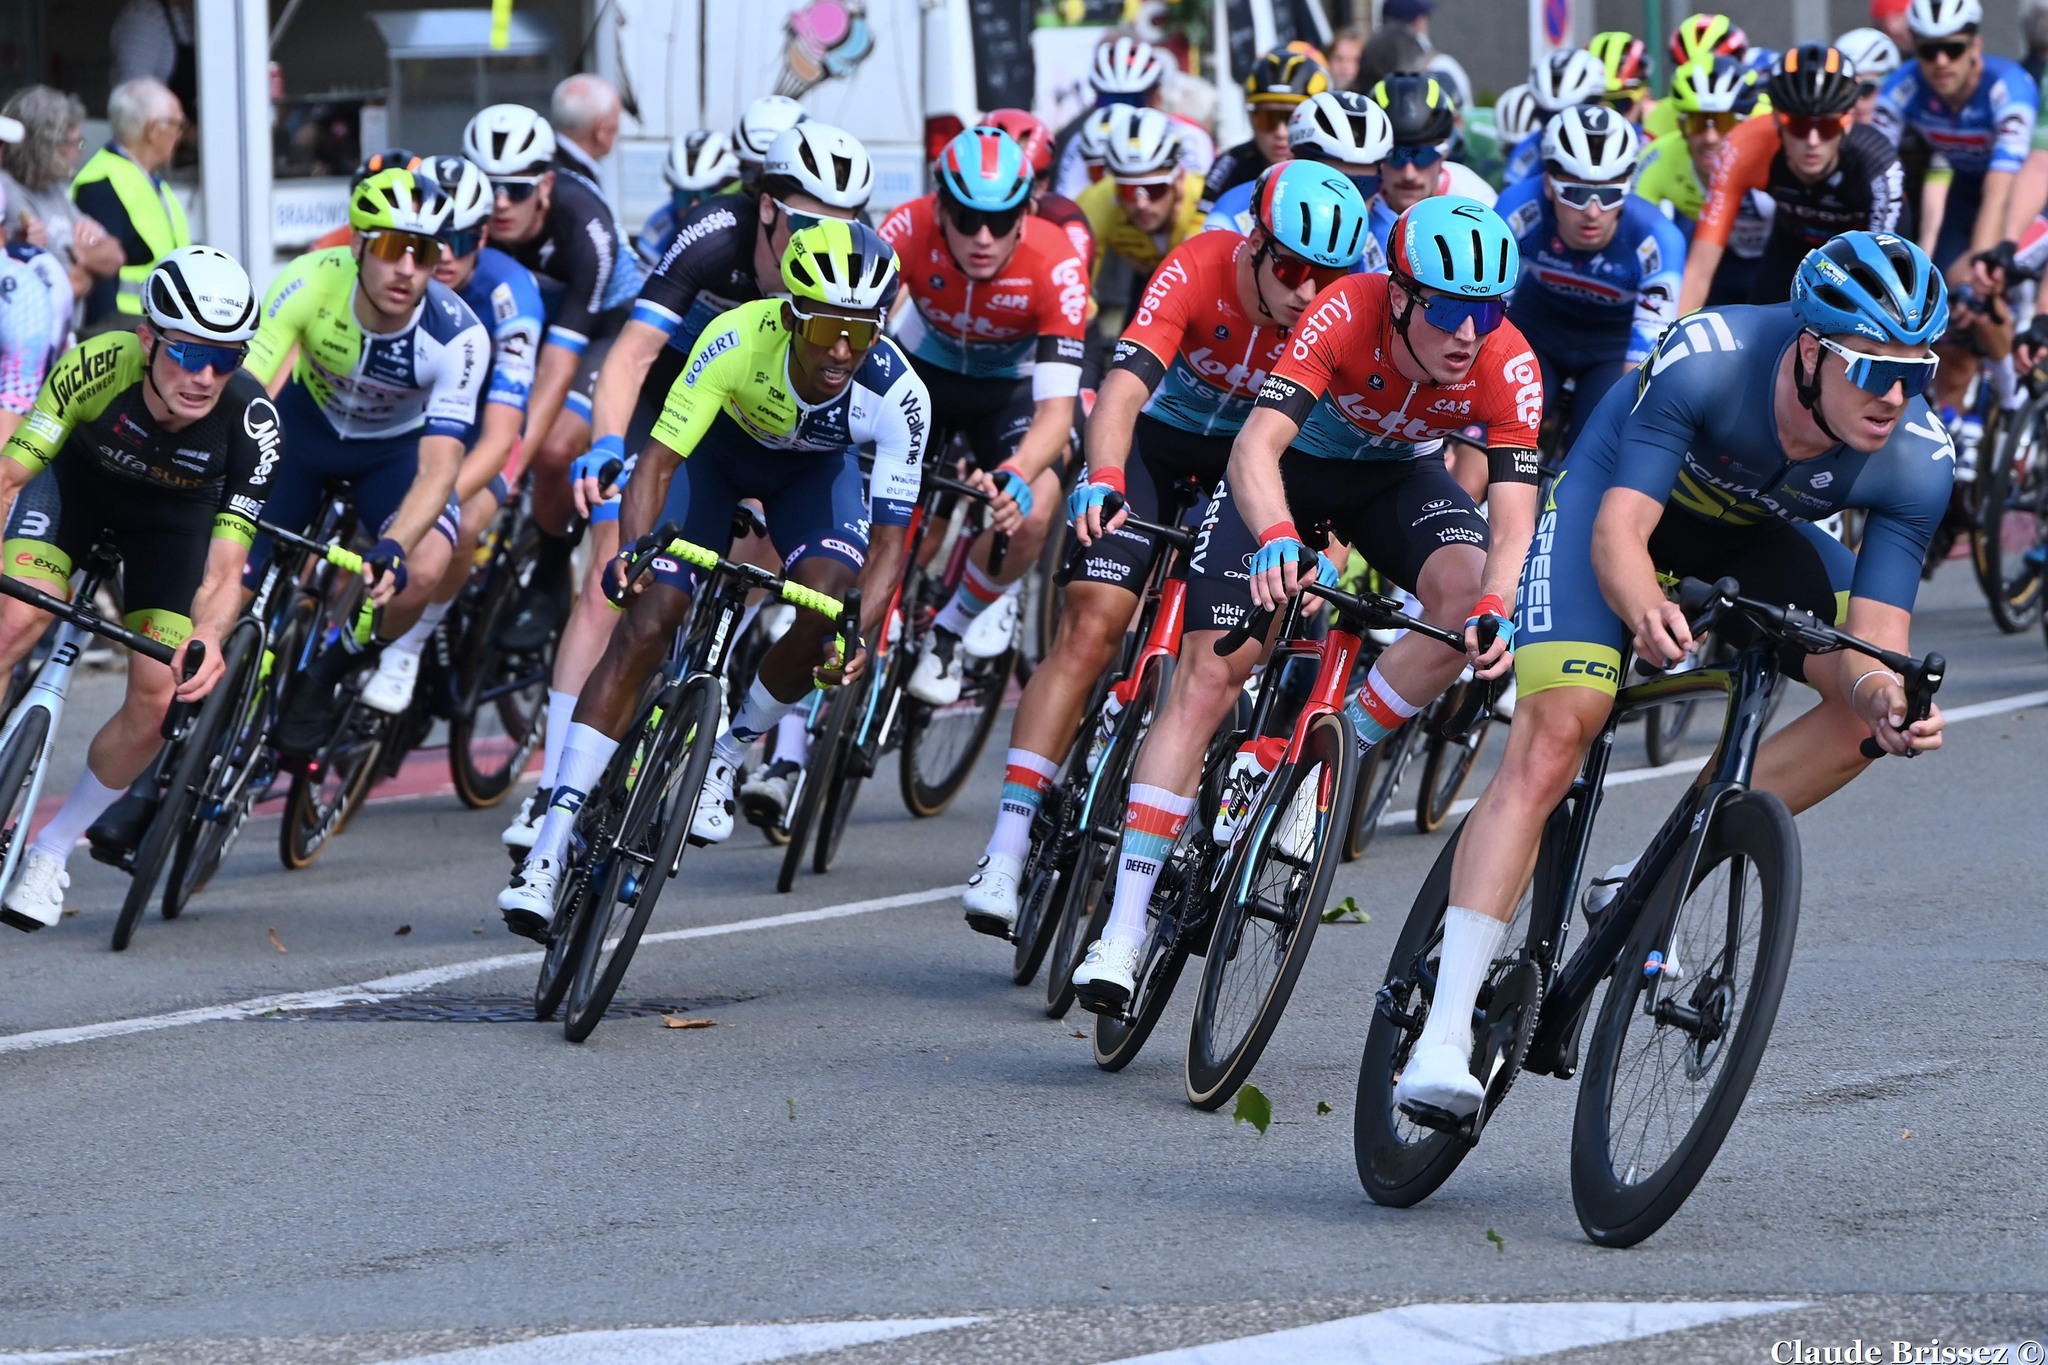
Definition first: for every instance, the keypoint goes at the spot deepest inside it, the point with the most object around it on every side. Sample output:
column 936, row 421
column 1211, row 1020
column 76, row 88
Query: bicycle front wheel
column 1379, row 777
column 224, row 796
column 941, row 744
column 2011, row 544
column 18, row 760
column 1684, row 1023
column 324, row 798
column 500, row 696
column 1445, row 770
column 821, row 770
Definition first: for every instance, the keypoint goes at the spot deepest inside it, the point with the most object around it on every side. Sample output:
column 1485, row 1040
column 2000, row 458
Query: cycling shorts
column 163, row 541
column 1567, row 636
column 1161, row 456
column 1958, row 222
column 992, row 414
column 815, row 505
column 1396, row 513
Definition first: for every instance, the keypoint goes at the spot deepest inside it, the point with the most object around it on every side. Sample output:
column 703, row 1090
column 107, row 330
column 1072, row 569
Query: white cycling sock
column 976, row 594
column 1471, row 942
column 793, row 736
column 88, row 802
column 1026, row 776
column 756, row 717
column 585, row 753
column 415, row 640
column 561, row 714
column 1152, row 821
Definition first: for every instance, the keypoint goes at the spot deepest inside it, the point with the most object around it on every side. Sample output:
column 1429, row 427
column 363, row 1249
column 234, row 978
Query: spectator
column 152, row 40
column 1889, row 16
column 1413, row 15
column 585, row 117
column 123, row 189
column 1393, row 47
column 37, row 181
column 1345, row 50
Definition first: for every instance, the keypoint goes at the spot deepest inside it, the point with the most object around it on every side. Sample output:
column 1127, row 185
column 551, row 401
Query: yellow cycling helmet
column 842, row 264
column 1623, row 56
column 399, row 200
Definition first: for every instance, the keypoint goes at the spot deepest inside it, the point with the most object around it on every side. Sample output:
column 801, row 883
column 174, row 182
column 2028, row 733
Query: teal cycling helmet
column 1454, row 244
column 1313, row 210
column 1871, row 284
column 985, row 169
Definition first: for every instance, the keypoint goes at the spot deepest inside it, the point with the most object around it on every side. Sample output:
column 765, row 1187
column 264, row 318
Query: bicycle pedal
column 1465, row 1127
column 995, row 926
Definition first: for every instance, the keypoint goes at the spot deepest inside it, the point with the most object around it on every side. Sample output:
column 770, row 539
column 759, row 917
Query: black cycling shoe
column 313, row 711
column 542, row 605
column 116, row 835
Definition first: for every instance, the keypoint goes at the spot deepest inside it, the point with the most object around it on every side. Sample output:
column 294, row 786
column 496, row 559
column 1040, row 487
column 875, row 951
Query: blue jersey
column 1992, row 132
column 1524, row 161
column 1233, row 213
column 1613, row 303
column 659, row 231
column 504, row 295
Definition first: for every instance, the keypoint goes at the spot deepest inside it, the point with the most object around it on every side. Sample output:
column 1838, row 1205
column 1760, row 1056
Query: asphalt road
column 884, row 1151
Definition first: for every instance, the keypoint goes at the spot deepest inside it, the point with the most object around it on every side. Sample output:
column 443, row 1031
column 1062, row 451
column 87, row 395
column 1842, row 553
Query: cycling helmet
column 1701, row 36
column 766, row 119
column 400, row 201
column 204, row 291
column 1591, row 144
column 1760, row 62
column 1874, row 55
column 1943, row 18
column 509, row 139
column 846, row 265
column 1341, row 127
column 1284, row 76
column 1420, row 109
column 827, row 163
column 1455, row 244
column 1565, row 78
column 1623, row 58
column 984, row 168
column 1813, row 79
column 700, row 160
column 1714, row 85
column 1028, row 131
column 384, row 161
column 1871, row 284
column 1515, row 115
column 1127, row 66
column 467, row 187
column 1143, row 144
column 1094, row 136
column 1314, row 211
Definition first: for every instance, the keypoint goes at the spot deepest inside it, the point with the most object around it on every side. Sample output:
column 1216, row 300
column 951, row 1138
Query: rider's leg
column 410, row 618
column 21, row 625
column 582, row 643
column 1413, row 670
column 548, row 594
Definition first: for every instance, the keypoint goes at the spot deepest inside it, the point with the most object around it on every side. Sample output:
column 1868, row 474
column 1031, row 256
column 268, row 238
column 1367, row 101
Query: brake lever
column 1923, row 680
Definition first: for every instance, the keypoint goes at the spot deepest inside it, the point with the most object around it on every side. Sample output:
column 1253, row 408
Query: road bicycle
column 1694, row 948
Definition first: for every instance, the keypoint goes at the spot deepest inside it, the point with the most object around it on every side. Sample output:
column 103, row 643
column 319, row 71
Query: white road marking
column 743, row 1344
column 1459, row 1333
column 53, row 1357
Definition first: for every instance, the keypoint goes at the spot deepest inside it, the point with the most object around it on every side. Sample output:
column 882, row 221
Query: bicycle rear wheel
column 851, row 767
column 500, row 698
column 1446, row 767
column 1171, row 922
column 1674, row 1049
column 2010, row 547
column 941, row 744
column 1271, row 902
column 821, row 770
column 325, row 797
column 1379, row 776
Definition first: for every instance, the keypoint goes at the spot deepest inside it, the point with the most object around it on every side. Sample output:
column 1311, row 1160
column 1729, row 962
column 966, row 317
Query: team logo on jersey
column 938, row 281
column 1222, row 332
column 1373, row 381
column 1824, row 478
column 1649, row 255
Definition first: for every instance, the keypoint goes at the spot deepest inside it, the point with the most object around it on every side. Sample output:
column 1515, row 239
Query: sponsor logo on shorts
column 29, row 559
column 662, row 564
column 1590, row 668
column 841, row 548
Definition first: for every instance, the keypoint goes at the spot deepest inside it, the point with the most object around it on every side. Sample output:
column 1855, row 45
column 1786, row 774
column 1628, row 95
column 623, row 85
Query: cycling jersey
column 422, row 378
column 1240, row 165
column 1452, row 178
column 1991, row 132
column 1116, row 234
column 664, row 223
column 1192, row 344
column 32, row 328
column 1667, row 178
column 1027, row 322
column 503, row 294
column 1612, row 303
column 1064, row 214
column 1233, row 213
column 707, row 269
column 1524, row 161
column 739, row 373
column 587, row 274
column 1070, row 173
column 1863, row 190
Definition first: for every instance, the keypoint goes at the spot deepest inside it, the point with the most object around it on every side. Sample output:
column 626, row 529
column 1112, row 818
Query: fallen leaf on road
column 1323, row 1106
column 792, row 1110
column 69, row 912
column 1495, row 1238
column 277, row 942
column 1254, row 1108
column 671, row 1021
column 1906, row 1134
column 1078, row 1033
column 401, row 931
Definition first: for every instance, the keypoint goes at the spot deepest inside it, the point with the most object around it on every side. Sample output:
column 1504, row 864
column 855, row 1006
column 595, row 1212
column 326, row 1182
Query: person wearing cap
column 123, row 189
column 1278, row 84
column 1413, row 15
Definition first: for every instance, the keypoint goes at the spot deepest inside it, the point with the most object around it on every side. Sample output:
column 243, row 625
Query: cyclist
column 505, row 295
column 761, row 122
column 1824, row 172
column 388, row 159
column 1874, row 58
column 700, row 164
column 997, row 305
column 156, row 442
column 1752, row 423
column 35, row 317
column 727, row 252
column 1279, row 83
column 1147, row 205
column 1697, row 41
column 1423, row 118
column 1214, row 322
column 1125, row 73
column 1029, row 132
column 1600, row 266
column 774, row 402
column 1339, row 129
column 1625, row 63
column 1349, row 426
column 1562, row 80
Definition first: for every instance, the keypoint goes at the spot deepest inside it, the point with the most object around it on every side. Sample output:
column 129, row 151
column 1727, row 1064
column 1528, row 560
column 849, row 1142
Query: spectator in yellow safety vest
column 122, row 188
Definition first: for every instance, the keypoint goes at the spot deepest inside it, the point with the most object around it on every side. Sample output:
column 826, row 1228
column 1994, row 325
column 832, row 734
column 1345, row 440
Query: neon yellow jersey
column 1661, row 121
column 1668, row 177
column 1115, row 232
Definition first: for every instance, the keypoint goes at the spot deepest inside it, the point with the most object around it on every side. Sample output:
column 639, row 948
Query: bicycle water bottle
column 1105, row 720
column 1250, row 770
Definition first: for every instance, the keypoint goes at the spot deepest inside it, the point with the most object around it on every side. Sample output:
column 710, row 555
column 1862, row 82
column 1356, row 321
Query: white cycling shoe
column 1440, row 1076
column 764, row 797
column 390, row 688
column 36, row 900
column 990, row 899
column 936, row 679
column 1108, row 976
column 525, row 826
column 990, row 633
column 713, row 821
column 529, row 902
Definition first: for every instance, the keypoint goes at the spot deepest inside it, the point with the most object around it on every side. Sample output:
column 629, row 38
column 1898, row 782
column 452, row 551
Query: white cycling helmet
column 700, row 160
column 1340, row 127
column 766, row 119
column 509, row 139
column 1943, row 18
column 827, row 163
column 1873, row 55
column 1143, row 144
column 1515, row 115
column 1094, row 135
column 1590, row 143
column 1565, row 78
column 204, row 291
column 466, row 186
column 1126, row 66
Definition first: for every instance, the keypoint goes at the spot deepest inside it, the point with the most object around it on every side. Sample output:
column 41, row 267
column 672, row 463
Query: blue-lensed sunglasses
column 1420, row 157
column 464, row 242
column 195, row 356
column 1447, row 312
column 1875, row 374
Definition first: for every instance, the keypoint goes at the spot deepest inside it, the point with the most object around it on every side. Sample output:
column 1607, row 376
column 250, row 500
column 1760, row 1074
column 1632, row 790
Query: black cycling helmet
column 384, row 161
column 1421, row 108
column 1285, row 77
column 1813, row 79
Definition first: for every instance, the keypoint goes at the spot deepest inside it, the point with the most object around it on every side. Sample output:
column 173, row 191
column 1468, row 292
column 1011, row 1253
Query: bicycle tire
column 821, row 769
column 319, row 809
column 1035, row 920
column 1446, row 768
column 480, row 785
column 1220, row 1053
column 988, row 683
column 203, row 843
column 1168, row 937
column 17, row 776
column 844, row 791
column 594, row 824
column 680, row 752
column 1039, row 619
column 1379, row 777
column 2012, row 509
column 1752, row 828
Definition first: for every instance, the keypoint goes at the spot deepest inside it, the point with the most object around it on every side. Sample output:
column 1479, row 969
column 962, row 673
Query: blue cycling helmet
column 1313, row 210
column 984, row 168
column 1455, row 244
column 1871, row 284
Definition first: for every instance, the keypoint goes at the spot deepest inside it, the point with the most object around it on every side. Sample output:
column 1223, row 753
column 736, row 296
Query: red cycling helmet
column 1028, row 131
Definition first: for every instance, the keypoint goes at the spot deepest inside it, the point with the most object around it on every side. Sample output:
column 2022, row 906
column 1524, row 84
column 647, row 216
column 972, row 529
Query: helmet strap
column 1259, row 258
column 1808, row 390
column 1401, row 321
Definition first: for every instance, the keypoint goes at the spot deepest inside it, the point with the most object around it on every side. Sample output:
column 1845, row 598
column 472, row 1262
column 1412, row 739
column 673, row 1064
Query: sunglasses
column 1696, row 124
column 1623, row 102
column 1268, row 118
column 1447, row 313
column 823, row 330
column 1804, row 126
column 464, row 242
column 516, row 191
column 798, row 219
column 1875, row 374
column 1422, row 158
column 1292, row 271
column 1144, row 192
column 1604, row 198
column 1953, row 49
column 195, row 356
column 969, row 222
column 393, row 246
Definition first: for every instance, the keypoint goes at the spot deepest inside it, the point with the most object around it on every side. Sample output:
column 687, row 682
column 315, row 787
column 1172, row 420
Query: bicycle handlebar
column 1369, row 609
column 87, row 619
column 342, row 558
column 667, row 539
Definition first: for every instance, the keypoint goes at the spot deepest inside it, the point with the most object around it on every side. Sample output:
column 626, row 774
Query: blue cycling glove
column 603, row 451
column 1326, row 570
column 1017, row 486
column 1490, row 606
column 388, row 557
column 1279, row 544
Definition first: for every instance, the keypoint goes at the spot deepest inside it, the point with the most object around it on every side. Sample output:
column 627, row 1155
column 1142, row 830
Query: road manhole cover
column 482, row 1009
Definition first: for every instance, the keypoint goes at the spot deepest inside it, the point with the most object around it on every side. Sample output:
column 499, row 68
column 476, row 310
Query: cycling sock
column 793, row 736
column 1378, row 710
column 1026, row 776
column 976, row 594
column 561, row 714
column 414, row 640
column 1471, row 941
column 88, row 802
column 585, row 753
column 1152, row 822
column 756, row 717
